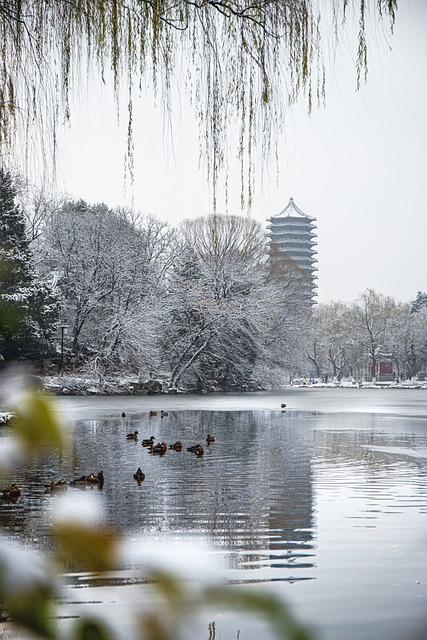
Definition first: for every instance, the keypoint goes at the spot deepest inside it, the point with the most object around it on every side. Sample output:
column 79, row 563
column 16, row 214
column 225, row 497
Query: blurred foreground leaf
column 32, row 608
column 90, row 547
column 91, row 630
column 38, row 425
column 28, row 590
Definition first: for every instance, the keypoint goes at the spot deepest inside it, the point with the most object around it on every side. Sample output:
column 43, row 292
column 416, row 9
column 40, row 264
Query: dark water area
column 324, row 503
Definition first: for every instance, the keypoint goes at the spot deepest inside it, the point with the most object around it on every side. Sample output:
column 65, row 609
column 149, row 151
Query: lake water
column 324, row 503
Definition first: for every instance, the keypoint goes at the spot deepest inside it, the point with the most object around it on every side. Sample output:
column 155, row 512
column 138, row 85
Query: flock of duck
column 160, row 448
column 91, row 480
column 12, row 492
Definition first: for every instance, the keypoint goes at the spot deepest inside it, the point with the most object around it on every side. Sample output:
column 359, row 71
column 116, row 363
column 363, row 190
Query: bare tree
column 370, row 316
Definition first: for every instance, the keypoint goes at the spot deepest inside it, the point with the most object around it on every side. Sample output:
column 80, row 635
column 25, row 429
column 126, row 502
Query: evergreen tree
column 420, row 302
column 28, row 310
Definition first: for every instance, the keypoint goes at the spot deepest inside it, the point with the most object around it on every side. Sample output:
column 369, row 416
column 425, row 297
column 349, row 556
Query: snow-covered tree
column 408, row 331
column 337, row 339
column 420, row 302
column 370, row 320
column 286, row 318
column 419, row 342
column 231, row 317
column 111, row 272
column 28, row 307
column 211, row 337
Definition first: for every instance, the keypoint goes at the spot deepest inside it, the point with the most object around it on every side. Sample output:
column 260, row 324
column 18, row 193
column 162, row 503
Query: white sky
column 359, row 166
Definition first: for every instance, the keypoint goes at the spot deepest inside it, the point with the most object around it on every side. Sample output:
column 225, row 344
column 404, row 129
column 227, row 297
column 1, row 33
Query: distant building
column 383, row 371
column 293, row 235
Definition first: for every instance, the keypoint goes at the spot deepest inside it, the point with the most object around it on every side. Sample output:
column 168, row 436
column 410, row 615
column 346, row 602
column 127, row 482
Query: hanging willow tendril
column 240, row 60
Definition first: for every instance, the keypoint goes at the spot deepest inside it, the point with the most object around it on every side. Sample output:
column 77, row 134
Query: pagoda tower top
column 291, row 210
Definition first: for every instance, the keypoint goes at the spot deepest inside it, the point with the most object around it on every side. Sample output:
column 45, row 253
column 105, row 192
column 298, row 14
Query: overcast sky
column 359, row 166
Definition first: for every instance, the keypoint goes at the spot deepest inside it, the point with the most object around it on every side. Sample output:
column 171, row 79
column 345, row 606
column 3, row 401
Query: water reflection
column 249, row 495
column 334, row 502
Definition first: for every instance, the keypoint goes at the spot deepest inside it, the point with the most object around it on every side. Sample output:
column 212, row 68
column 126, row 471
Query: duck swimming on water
column 139, row 475
column 197, row 449
column 132, row 436
column 54, row 487
column 159, row 448
column 10, row 493
column 90, row 479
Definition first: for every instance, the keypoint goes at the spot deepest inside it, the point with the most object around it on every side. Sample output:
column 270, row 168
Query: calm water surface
column 324, row 503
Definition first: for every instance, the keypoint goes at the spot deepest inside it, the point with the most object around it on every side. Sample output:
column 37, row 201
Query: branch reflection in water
column 326, row 501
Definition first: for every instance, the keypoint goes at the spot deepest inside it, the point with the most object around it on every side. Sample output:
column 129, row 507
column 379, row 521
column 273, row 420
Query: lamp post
column 63, row 328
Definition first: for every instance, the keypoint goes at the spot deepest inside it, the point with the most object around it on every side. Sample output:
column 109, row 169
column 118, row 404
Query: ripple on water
column 293, row 498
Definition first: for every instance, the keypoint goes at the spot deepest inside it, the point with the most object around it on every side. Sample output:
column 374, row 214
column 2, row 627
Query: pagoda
column 293, row 236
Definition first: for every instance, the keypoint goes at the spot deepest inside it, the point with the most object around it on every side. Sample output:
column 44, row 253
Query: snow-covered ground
column 353, row 384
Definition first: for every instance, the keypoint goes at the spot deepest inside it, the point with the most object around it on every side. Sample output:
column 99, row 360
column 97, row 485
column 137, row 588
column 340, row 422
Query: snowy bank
column 80, row 386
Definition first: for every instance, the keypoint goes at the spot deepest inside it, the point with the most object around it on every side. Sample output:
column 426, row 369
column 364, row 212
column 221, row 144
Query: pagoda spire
column 291, row 209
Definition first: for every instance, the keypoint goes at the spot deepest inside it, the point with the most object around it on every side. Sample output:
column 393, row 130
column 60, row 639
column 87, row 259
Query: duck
column 90, row 478
column 283, row 405
column 81, row 480
column 132, row 436
column 193, row 448
column 197, row 449
column 163, row 413
column 123, row 415
column 153, row 413
column 54, row 487
column 210, row 439
column 148, row 442
column 10, row 493
column 176, row 446
column 160, row 448
column 139, row 475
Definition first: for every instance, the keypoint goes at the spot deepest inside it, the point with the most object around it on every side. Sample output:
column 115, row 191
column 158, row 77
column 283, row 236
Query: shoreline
column 79, row 386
